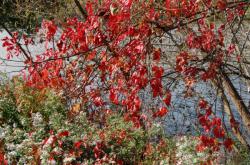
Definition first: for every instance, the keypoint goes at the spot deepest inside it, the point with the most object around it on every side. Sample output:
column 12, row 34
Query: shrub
column 37, row 126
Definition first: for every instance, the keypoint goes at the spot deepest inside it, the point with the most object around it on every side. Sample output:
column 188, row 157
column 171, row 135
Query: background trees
column 26, row 15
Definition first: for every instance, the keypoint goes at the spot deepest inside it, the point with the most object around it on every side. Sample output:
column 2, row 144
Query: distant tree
column 27, row 15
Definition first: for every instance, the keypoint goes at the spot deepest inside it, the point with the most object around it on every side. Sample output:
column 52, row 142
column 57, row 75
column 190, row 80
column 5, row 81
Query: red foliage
column 221, row 4
column 228, row 143
column 167, row 99
column 161, row 112
column 64, row 133
column 104, row 59
column 50, row 28
column 3, row 161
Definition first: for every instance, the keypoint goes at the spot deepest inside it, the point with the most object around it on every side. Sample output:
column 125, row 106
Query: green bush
column 37, row 126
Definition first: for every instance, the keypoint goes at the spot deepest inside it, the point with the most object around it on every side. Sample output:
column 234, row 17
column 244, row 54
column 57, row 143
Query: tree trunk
column 236, row 131
column 228, row 110
column 237, row 100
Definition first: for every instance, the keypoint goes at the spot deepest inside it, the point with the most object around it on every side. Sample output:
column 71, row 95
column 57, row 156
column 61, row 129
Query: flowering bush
column 36, row 127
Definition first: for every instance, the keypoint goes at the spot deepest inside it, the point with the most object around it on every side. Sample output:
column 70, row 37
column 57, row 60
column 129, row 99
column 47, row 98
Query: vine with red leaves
column 105, row 60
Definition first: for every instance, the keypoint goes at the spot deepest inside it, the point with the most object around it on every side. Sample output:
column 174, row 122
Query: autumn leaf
column 76, row 108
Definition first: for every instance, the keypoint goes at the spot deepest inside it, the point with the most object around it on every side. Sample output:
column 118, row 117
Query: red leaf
column 119, row 162
column 89, row 9
column 228, row 143
column 218, row 132
column 234, row 123
column 231, row 49
column 113, row 97
column 200, row 148
column 127, row 3
column 64, row 133
column 78, row 144
column 207, row 141
column 216, row 121
column 102, row 135
column 137, row 103
column 157, row 71
column 168, row 4
column 238, row 57
column 157, row 55
column 161, row 112
column 98, row 101
column 221, row 4
column 3, row 161
column 91, row 56
column 167, row 100
column 208, row 111
column 202, row 104
column 50, row 27
column 156, row 87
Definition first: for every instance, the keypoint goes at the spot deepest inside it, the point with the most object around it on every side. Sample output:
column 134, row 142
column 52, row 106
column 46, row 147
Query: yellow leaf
column 76, row 108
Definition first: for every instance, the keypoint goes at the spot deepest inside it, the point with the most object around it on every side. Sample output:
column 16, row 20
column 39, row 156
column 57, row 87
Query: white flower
column 12, row 153
column 68, row 159
column 50, row 140
column 37, row 118
column 10, row 146
column 158, row 125
column 2, row 133
column 52, row 162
